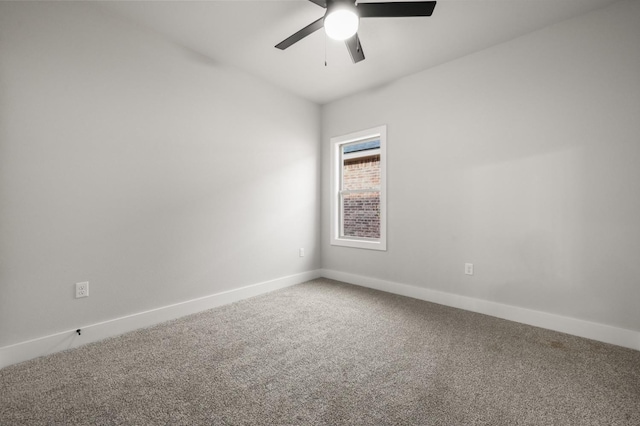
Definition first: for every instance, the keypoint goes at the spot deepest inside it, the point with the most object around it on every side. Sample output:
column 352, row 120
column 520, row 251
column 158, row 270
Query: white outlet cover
column 82, row 289
column 468, row 268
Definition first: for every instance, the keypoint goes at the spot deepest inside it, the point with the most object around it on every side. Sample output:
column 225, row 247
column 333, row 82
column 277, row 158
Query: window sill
column 363, row 244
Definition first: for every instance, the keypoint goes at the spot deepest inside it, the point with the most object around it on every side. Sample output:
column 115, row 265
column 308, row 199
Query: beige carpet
column 326, row 353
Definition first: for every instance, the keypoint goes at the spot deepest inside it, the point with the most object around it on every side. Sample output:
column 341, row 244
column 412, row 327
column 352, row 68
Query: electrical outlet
column 82, row 289
column 468, row 268
column 301, row 252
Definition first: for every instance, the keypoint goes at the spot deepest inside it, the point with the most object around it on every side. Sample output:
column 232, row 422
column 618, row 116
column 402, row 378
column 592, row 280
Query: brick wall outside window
column 362, row 210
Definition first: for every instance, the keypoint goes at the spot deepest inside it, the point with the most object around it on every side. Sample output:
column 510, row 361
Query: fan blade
column 355, row 48
column 321, row 3
column 311, row 28
column 396, row 9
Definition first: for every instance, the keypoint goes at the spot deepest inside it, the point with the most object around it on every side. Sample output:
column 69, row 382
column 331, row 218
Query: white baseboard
column 576, row 327
column 30, row 349
column 45, row 345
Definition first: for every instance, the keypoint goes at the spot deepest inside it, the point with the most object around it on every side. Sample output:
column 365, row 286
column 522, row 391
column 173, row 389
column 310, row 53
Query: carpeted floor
column 327, row 353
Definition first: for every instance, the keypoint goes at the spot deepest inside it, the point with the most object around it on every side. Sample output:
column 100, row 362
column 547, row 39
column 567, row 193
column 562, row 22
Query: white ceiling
column 243, row 34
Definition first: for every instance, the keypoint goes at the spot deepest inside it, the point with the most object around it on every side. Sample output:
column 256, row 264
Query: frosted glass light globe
column 341, row 24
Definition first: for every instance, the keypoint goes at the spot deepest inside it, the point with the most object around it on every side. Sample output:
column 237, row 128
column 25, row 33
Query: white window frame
column 337, row 143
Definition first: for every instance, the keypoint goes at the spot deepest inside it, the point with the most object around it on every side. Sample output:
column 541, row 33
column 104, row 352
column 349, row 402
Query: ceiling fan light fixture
column 341, row 23
column 342, row 17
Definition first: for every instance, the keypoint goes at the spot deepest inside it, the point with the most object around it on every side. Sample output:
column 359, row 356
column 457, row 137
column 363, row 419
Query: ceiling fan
column 341, row 19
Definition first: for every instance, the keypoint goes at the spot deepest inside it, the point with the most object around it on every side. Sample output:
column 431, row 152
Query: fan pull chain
column 325, row 49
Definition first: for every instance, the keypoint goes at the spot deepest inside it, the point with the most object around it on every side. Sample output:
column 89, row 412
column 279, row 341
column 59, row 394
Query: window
column 358, row 189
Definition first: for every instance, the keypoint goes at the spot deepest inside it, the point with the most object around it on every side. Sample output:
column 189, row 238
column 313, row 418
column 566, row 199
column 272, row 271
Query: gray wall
column 523, row 159
column 155, row 174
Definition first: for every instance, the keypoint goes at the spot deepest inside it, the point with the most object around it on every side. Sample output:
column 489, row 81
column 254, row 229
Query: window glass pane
column 361, row 172
column 361, row 146
column 361, row 214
